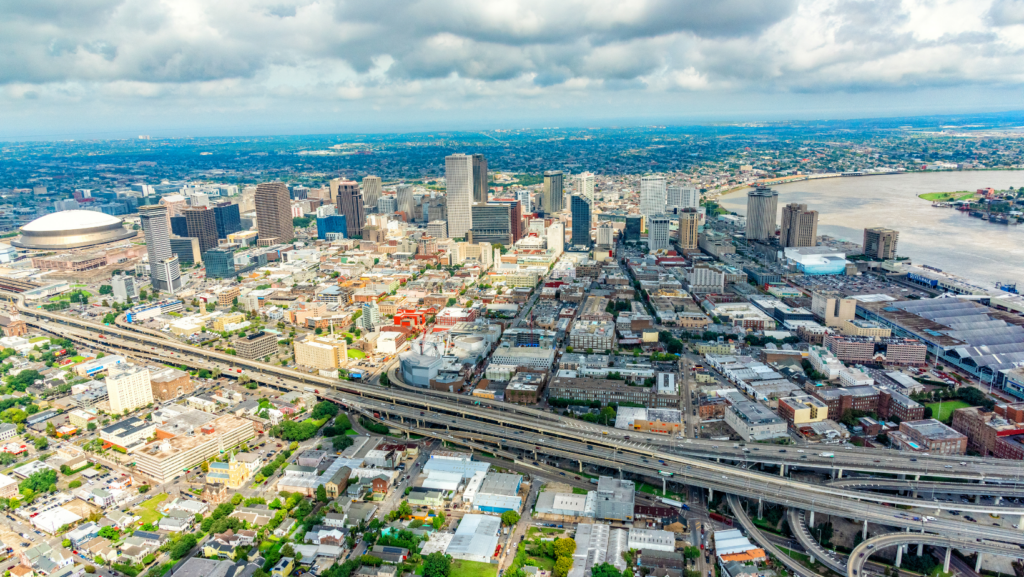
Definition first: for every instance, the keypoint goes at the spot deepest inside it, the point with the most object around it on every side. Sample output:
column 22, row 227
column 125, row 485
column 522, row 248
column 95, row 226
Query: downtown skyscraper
column 552, row 198
column 653, row 196
column 459, row 178
column 762, row 212
column 274, row 214
column 350, row 205
column 479, row 178
column 581, row 209
column 202, row 225
column 799, row 226
column 372, row 190
column 164, row 269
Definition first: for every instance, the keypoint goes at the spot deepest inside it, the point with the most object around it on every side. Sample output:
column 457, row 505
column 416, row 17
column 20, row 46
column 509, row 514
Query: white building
column 683, row 197
column 124, row 288
column 371, row 318
column 705, row 279
column 855, row 377
column 129, row 388
column 653, row 196
column 658, row 231
column 556, row 238
column 404, row 200
column 459, row 184
column 524, row 201
column 585, row 186
column 825, row 362
column 652, row 540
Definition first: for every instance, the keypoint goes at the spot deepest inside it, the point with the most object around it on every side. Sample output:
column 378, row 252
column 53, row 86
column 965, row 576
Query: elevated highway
column 848, row 459
column 929, row 487
column 799, row 527
column 758, row 537
column 861, row 552
column 523, row 431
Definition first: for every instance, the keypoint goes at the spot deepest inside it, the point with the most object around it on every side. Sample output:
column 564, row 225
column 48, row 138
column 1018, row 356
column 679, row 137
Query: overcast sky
column 109, row 68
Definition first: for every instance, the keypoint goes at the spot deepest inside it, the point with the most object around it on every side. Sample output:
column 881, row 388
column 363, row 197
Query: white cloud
column 594, row 57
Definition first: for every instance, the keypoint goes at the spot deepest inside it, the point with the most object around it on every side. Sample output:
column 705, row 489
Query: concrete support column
column 811, row 521
column 917, row 477
column 899, row 556
column 581, row 465
column 760, row 508
column 902, row 476
column 663, row 486
column 839, row 474
column 945, row 562
column 998, row 500
column 977, row 564
column 915, row 493
column 920, row 547
column 782, row 471
column 711, row 495
column 977, row 499
column 1020, row 523
column 864, row 532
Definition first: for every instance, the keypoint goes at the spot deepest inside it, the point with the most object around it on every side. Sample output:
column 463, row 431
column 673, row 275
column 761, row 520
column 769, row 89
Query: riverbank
column 946, row 196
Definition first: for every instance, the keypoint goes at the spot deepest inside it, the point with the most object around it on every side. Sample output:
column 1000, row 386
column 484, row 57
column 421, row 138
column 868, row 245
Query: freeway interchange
column 715, row 466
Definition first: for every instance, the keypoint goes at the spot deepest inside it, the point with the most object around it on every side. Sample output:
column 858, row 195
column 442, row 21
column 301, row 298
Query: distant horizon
column 1005, row 115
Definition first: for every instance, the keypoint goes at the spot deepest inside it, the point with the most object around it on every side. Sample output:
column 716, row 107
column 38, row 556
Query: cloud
column 443, row 54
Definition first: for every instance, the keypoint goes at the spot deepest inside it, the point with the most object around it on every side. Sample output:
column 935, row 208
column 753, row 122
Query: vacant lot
column 472, row 569
column 147, row 510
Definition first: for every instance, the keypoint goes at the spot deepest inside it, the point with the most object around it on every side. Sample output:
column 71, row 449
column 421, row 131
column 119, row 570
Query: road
column 556, row 437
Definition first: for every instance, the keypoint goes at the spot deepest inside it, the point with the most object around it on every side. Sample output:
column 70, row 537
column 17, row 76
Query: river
column 941, row 237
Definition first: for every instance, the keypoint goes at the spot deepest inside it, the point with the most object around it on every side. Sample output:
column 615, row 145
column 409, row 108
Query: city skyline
column 284, row 69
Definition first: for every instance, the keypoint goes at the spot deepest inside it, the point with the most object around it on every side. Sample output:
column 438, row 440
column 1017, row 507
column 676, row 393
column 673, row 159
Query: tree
column 321, row 494
column 564, row 547
column 404, row 510
column 144, row 488
column 182, row 546
column 91, row 426
column 605, row 570
column 509, row 518
column 691, row 552
column 562, row 566
column 106, row 289
column 438, row 521
column 437, row 564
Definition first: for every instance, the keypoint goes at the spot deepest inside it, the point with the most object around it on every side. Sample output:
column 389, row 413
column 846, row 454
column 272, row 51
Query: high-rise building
column 762, row 211
column 479, row 178
column 634, row 228
column 653, row 196
column 516, row 214
column 683, row 197
column 556, row 237
column 459, row 179
column 350, row 205
column 580, row 209
column 585, row 186
column 274, row 214
column 880, row 243
column 438, row 228
column 524, row 201
column 437, row 208
column 404, row 199
column 220, row 263
column 186, row 248
column 179, row 226
column 371, row 190
column 605, row 235
column 229, row 220
column 165, row 272
column 492, row 223
column 202, row 225
column 371, row 318
column 129, row 388
column 689, row 218
column 387, row 204
column 799, row 226
column 552, row 199
column 658, row 231
column 332, row 227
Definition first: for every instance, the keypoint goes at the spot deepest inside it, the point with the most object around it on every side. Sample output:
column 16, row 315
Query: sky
column 116, row 68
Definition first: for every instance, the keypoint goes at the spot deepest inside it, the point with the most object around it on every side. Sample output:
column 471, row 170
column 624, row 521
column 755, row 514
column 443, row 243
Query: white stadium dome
column 72, row 229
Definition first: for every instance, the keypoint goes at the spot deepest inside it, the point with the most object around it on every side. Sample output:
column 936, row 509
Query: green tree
column 438, row 521
column 562, row 566
column 691, row 552
column 564, row 547
column 437, row 564
column 106, row 289
column 182, row 546
column 509, row 518
column 321, row 494
column 605, row 570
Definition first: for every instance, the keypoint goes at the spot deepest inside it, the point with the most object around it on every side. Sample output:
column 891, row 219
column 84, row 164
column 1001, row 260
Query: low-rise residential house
column 389, row 554
column 177, row 521
column 216, row 549
column 284, row 567
column 82, row 534
column 284, row 528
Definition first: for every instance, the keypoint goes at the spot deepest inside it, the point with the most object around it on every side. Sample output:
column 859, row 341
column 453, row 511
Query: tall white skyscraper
column 524, row 201
column 683, row 197
column 165, row 271
column 585, row 186
column 458, row 172
column 653, row 196
column 762, row 213
column 657, row 232
column 129, row 388
column 371, row 318
column 371, row 190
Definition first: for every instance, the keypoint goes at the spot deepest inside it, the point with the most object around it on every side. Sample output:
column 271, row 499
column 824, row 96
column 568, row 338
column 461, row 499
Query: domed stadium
column 72, row 229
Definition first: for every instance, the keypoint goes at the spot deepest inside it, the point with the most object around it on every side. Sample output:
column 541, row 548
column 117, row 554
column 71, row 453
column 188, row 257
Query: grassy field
column 356, row 354
column 796, row 555
column 578, row 491
column 946, row 196
column 472, row 569
column 147, row 510
column 947, row 409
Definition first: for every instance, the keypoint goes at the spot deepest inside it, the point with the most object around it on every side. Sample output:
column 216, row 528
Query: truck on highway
column 828, row 455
